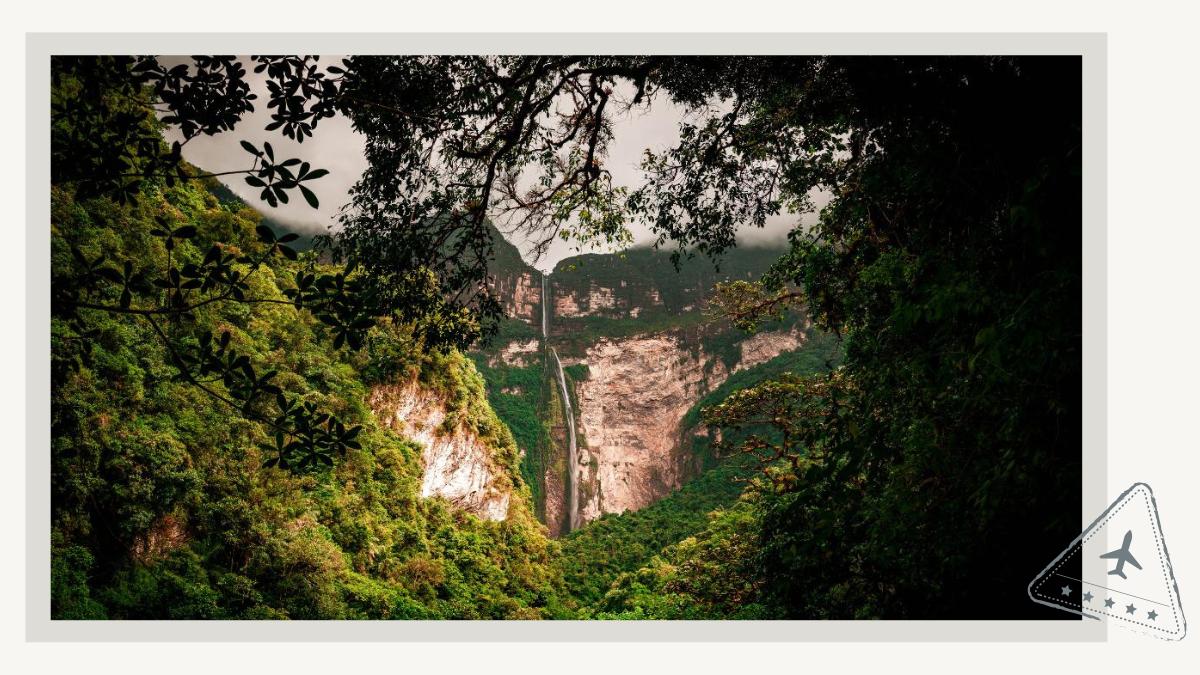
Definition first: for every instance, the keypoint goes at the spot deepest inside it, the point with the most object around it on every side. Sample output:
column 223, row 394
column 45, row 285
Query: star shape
column 1130, row 609
column 1108, row 602
column 1087, row 597
column 1066, row 590
column 1152, row 615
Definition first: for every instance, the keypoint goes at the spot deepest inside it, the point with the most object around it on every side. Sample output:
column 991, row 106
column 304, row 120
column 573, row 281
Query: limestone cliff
column 516, row 284
column 762, row 347
column 458, row 465
column 521, row 295
column 518, row 353
column 636, row 392
column 598, row 300
column 642, row 284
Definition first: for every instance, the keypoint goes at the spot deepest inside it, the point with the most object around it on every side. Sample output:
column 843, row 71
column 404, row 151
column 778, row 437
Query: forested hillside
column 163, row 507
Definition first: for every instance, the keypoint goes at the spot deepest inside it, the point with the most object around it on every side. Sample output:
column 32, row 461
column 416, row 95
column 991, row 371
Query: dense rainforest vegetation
column 163, row 508
column 213, row 453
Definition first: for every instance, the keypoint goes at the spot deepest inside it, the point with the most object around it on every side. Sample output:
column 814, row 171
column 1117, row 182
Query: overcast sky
column 337, row 147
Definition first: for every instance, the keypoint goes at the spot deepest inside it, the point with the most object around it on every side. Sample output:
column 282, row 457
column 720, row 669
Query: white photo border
column 1092, row 48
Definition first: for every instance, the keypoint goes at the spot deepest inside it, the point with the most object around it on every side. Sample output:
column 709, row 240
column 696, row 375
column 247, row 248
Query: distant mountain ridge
column 227, row 196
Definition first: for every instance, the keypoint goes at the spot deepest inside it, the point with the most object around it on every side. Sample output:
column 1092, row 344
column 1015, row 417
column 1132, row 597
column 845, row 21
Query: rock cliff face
column 516, row 284
column 762, row 347
column 630, row 405
column 519, row 353
column 555, row 499
column 597, row 300
column 637, row 390
column 642, row 283
column 521, row 295
column 458, row 465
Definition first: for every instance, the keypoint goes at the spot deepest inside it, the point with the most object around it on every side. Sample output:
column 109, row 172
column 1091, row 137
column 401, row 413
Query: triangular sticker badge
column 1118, row 570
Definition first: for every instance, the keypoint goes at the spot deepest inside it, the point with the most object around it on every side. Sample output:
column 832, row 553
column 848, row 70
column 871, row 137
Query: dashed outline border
column 1034, row 588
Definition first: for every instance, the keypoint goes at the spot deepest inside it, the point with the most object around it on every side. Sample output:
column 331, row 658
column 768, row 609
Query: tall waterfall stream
column 569, row 413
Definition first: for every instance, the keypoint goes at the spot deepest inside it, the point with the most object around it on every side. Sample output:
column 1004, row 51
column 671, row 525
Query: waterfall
column 544, row 315
column 572, row 486
column 572, row 451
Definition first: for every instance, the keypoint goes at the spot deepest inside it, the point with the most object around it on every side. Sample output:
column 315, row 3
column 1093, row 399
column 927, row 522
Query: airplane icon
column 1122, row 556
